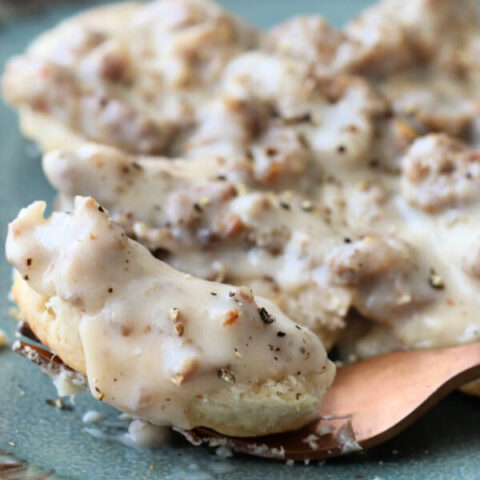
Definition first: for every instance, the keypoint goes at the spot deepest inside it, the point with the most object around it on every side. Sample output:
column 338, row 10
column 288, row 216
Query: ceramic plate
column 37, row 438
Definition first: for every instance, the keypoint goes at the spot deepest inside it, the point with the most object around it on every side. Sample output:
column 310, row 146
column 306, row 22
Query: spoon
column 370, row 402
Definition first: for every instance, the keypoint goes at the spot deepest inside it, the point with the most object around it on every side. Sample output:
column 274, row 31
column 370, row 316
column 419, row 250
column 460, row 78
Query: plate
column 445, row 444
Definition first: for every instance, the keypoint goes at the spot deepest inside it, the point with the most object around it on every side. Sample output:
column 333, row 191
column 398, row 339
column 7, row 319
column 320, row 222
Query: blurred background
column 267, row 12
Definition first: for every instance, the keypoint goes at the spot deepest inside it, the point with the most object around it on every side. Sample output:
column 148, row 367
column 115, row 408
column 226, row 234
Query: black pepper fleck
column 302, row 350
column 29, row 261
column 110, row 290
column 281, row 334
column 100, row 208
column 435, row 280
column 226, row 375
column 271, row 151
column 265, row 316
column 58, row 403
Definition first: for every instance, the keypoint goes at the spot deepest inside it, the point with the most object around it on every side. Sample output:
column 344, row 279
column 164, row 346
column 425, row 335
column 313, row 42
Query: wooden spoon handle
column 369, row 403
column 410, row 384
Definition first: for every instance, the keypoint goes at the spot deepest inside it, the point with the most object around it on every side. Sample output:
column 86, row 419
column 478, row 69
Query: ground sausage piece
column 354, row 262
column 309, row 38
column 384, row 274
column 440, row 172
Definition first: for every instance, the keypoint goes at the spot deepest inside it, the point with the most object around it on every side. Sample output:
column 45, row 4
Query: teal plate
column 445, row 444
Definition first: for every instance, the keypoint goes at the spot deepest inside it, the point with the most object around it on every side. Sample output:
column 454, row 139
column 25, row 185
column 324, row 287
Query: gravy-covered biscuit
column 155, row 342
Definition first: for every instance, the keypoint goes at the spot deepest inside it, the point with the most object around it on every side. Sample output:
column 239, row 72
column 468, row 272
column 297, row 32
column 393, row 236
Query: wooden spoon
column 369, row 403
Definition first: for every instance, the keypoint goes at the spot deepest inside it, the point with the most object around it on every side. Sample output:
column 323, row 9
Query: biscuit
column 157, row 343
